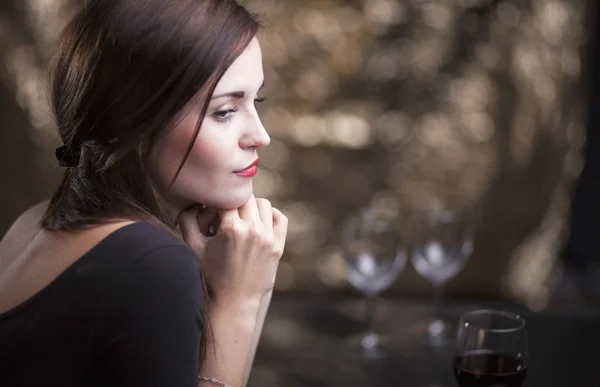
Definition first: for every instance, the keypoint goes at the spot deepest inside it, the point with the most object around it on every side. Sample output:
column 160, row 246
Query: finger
column 188, row 224
column 228, row 218
column 249, row 212
column 207, row 220
column 280, row 226
column 265, row 211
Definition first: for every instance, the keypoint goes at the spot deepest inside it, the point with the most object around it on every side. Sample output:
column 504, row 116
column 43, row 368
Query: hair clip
column 65, row 157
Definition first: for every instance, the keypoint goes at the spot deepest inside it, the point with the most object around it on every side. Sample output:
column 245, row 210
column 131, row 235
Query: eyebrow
column 236, row 94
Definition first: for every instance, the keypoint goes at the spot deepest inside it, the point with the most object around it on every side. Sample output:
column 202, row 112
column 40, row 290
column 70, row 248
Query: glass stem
column 370, row 307
column 438, row 297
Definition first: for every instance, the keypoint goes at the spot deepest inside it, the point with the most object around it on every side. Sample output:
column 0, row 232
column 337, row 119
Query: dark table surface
column 305, row 340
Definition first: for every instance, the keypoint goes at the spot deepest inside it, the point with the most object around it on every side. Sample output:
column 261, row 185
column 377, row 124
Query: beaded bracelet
column 214, row 381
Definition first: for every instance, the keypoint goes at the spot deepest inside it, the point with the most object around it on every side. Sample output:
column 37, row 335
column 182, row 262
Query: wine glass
column 375, row 257
column 443, row 242
column 491, row 349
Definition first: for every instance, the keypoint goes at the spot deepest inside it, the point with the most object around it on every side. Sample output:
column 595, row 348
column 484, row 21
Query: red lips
column 249, row 171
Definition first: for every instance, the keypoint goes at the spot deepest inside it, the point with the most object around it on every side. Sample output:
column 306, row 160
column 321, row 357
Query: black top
column 127, row 313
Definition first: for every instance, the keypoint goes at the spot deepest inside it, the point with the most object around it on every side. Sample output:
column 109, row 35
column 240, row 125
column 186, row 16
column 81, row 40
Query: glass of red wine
column 491, row 349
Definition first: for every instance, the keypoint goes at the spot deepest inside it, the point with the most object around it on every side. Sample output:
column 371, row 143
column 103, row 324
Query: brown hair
column 122, row 73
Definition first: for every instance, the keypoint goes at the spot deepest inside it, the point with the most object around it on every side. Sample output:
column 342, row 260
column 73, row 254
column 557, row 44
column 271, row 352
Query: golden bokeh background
column 393, row 104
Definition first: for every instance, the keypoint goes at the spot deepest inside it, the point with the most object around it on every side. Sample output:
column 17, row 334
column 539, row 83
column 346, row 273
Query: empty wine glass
column 443, row 242
column 375, row 257
column 491, row 349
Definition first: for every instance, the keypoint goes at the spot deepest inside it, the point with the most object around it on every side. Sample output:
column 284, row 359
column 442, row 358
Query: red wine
column 488, row 369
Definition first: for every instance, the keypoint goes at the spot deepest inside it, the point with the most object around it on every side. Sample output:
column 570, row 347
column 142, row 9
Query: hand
column 197, row 224
column 241, row 260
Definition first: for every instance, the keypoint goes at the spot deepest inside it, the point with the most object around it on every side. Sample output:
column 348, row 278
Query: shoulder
column 165, row 280
column 140, row 265
column 154, row 279
column 26, row 226
column 146, row 254
column 30, row 217
column 134, row 241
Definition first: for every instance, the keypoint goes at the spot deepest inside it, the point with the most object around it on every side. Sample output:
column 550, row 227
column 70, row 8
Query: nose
column 256, row 135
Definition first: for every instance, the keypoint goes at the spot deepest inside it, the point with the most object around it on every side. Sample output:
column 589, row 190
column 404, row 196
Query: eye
column 259, row 100
column 224, row 115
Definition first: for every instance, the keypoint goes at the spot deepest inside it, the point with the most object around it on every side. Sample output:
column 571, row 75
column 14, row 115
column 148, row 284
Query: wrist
column 237, row 308
column 266, row 298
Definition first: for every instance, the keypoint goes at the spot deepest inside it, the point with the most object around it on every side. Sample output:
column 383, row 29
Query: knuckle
column 232, row 229
column 226, row 229
column 283, row 217
column 264, row 202
column 280, row 215
column 273, row 247
column 239, row 229
column 264, row 242
column 254, row 232
column 276, row 252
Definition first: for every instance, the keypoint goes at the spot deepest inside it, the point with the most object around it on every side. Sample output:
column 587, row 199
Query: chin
column 231, row 202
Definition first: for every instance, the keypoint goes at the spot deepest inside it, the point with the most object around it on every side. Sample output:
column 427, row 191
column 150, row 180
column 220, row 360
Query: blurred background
column 396, row 105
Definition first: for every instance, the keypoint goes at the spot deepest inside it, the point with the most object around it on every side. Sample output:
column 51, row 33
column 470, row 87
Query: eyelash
column 225, row 115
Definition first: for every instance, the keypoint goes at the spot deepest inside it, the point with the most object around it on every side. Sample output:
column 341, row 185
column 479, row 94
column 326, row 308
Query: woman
column 101, row 286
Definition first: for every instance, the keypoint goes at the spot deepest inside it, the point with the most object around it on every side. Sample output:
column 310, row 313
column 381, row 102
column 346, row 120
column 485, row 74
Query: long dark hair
column 122, row 73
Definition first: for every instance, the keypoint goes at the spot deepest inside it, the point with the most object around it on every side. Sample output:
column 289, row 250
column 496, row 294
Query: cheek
column 179, row 139
column 203, row 153
column 205, row 158
column 207, row 175
column 206, row 166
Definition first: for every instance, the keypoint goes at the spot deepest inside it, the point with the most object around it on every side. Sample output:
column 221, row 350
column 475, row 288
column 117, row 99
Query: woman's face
column 217, row 172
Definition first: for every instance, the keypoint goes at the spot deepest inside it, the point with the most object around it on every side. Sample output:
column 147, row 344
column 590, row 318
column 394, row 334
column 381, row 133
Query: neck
column 175, row 206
